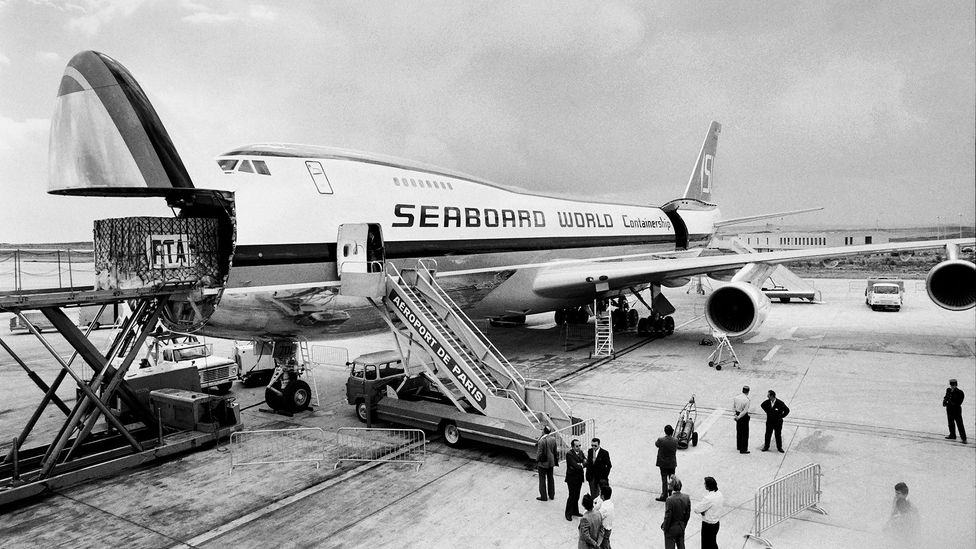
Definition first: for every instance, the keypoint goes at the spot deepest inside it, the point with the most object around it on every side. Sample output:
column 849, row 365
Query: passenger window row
column 411, row 182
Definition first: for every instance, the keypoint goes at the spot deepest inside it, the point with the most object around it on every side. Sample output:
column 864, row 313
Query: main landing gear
column 656, row 325
column 572, row 315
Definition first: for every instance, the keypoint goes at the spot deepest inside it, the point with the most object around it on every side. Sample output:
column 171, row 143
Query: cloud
column 47, row 56
column 205, row 14
column 96, row 13
column 12, row 132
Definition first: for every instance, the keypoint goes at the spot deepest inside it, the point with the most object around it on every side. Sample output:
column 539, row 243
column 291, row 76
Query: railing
column 277, row 446
column 584, row 431
column 381, row 445
column 552, row 394
column 47, row 268
column 785, row 498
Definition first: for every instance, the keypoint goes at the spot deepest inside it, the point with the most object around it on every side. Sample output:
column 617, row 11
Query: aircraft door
column 359, row 248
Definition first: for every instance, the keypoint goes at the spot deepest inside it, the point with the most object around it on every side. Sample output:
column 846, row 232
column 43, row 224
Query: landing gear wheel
column 560, row 317
column 643, row 326
column 452, row 435
column 668, row 325
column 362, row 412
column 694, row 438
column 273, row 398
column 297, row 396
column 633, row 318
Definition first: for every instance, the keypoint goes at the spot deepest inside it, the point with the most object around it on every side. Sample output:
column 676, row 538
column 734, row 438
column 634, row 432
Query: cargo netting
column 139, row 252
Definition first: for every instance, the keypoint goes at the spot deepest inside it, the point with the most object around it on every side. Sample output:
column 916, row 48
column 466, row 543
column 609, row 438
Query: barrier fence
column 277, row 446
column 584, row 431
column 382, row 445
column 785, row 498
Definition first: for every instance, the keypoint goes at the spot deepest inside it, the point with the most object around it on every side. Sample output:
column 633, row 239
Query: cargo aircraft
column 294, row 220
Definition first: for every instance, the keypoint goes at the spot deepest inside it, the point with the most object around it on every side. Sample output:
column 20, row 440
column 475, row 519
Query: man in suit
column 775, row 410
column 677, row 513
column 597, row 467
column 953, row 405
column 575, row 460
column 667, row 458
column 740, row 405
column 547, row 457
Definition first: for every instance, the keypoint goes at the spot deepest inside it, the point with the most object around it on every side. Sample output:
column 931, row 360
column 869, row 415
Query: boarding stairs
column 468, row 369
column 603, row 327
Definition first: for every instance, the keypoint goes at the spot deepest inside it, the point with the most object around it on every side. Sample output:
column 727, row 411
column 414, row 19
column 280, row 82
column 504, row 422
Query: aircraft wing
column 580, row 278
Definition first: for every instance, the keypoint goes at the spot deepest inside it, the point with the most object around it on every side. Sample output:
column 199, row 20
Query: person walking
column 775, row 410
column 547, row 457
column 902, row 527
column 740, row 405
column 597, row 467
column 607, row 514
column 667, row 459
column 710, row 508
column 574, row 478
column 677, row 512
column 953, row 405
column 590, row 526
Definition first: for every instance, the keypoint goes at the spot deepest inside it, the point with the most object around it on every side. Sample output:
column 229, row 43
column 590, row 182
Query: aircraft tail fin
column 106, row 138
column 700, row 183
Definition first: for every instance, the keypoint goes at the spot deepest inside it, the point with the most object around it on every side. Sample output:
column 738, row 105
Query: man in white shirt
column 606, row 511
column 710, row 508
column 740, row 405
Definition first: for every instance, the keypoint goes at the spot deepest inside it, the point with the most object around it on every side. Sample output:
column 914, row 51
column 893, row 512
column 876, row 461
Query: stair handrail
column 557, row 399
column 443, row 330
column 507, row 367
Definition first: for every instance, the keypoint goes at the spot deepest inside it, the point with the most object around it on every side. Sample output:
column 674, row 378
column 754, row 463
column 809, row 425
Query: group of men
column 775, row 410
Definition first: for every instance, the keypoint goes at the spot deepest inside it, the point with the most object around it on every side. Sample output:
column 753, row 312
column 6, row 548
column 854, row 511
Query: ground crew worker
column 953, row 405
column 740, row 404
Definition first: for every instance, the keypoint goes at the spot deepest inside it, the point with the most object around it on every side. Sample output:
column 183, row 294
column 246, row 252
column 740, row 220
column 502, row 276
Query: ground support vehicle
column 785, row 295
column 171, row 351
column 884, row 293
column 684, row 427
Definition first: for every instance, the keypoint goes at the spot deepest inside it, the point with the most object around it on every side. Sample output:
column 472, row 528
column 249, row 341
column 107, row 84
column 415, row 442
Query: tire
column 668, row 325
column 633, row 317
column 711, row 364
column 694, row 438
column 96, row 326
column 224, row 387
column 643, row 326
column 297, row 396
column 718, row 367
column 451, row 434
column 560, row 317
column 273, row 399
column 361, row 411
column 784, row 300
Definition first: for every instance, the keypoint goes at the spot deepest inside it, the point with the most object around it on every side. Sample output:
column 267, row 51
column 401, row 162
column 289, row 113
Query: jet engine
column 952, row 285
column 736, row 309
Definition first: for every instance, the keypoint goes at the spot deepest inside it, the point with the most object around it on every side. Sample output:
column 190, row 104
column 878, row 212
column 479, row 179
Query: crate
column 140, row 252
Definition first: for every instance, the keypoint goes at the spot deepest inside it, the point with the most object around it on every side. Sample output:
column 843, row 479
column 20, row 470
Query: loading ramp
column 487, row 398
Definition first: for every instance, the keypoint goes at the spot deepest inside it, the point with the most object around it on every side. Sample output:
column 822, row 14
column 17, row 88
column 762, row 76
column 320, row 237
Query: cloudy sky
column 865, row 108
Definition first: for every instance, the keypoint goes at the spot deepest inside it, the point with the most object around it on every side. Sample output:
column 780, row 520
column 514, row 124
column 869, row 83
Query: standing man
column 775, row 410
column 574, row 478
column 607, row 512
column 710, row 509
column 597, row 467
column 740, row 405
column 677, row 512
column 547, row 457
column 953, row 405
column 667, row 459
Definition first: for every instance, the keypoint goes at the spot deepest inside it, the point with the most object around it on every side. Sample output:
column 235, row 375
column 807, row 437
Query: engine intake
column 737, row 309
column 952, row 285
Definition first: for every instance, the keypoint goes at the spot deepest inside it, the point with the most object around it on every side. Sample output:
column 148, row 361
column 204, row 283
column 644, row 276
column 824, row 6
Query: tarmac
column 865, row 390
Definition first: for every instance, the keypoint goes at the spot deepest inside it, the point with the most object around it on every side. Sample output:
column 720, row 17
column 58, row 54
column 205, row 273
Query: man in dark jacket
column 677, row 513
column 775, row 410
column 953, row 405
column 574, row 478
column 597, row 467
column 547, row 457
column 667, row 458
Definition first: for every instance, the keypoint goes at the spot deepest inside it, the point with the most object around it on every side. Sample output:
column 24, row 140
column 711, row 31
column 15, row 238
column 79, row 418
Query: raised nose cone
column 106, row 138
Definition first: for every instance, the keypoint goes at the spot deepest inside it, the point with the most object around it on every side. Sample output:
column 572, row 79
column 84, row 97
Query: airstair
column 468, row 369
column 603, row 327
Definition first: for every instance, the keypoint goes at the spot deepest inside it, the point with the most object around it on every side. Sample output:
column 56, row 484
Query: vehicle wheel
column 668, row 325
column 224, row 387
column 560, row 317
column 784, row 300
column 274, row 400
column 96, row 326
column 718, row 367
column 361, row 411
column 711, row 364
column 297, row 396
column 452, row 435
column 694, row 438
column 642, row 326
column 874, row 308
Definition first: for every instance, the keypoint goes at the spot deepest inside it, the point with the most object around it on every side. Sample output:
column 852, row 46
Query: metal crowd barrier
column 584, row 431
column 277, row 446
column 382, row 445
column 785, row 498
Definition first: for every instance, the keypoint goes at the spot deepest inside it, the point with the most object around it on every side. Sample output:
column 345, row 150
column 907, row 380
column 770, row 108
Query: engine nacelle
column 736, row 309
column 952, row 285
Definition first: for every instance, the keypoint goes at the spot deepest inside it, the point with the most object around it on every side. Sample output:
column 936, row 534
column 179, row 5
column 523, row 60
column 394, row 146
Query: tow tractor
column 684, row 429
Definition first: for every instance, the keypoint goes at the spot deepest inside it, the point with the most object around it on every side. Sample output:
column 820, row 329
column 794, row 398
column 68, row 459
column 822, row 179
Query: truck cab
column 370, row 375
column 184, row 351
column 884, row 293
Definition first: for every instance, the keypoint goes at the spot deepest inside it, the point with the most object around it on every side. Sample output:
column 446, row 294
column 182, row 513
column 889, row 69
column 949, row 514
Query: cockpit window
column 245, row 167
column 319, row 177
column 227, row 164
column 261, row 167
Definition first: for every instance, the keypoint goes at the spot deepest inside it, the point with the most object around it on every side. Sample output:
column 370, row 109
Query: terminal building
column 770, row 240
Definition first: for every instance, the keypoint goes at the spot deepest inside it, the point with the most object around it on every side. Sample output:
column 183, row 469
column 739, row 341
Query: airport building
column 768, row 241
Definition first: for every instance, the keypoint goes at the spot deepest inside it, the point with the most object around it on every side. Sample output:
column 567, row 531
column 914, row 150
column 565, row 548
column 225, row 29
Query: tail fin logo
column 706, row 174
